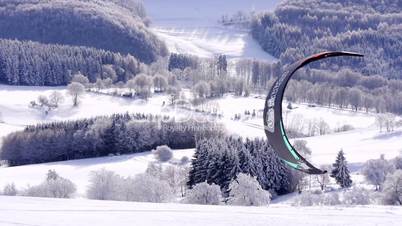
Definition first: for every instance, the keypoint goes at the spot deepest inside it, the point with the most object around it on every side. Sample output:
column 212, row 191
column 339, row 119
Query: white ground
column 58, row 212
column 191, row 27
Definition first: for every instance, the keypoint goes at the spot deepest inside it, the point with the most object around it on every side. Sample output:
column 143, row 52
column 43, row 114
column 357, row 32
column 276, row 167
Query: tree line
column 36, row 64
column 101, row 136
column 365, row 93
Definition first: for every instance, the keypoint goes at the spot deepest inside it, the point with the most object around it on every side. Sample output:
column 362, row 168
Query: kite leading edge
column 273, row 124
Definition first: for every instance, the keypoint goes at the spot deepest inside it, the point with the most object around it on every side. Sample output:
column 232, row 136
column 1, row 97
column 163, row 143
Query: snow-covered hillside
column 50, row 212
column 15, row 100
column 191, row 27
column 364, row 142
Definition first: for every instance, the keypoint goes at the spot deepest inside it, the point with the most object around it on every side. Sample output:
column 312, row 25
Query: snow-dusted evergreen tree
column 340, row 171
column 229, row 169
column 205, row 194
column 247, row 191
column 271, row 172
column 199, row 164
column 245, row 160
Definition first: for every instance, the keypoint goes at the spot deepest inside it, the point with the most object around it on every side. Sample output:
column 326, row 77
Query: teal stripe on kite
column 290, row 148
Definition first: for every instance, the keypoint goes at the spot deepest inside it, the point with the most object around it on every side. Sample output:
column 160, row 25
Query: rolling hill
column 100, row 24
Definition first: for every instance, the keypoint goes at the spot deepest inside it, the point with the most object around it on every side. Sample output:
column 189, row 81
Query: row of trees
column 346, row 89
column 101, row 136
column 35, row 64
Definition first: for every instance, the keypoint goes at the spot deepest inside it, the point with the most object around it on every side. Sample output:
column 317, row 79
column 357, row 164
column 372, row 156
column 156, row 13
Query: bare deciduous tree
column 76, row 90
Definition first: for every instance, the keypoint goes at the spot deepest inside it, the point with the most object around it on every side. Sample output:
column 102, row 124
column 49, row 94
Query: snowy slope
column 51, row 212
column 78, row 171
column 363, row 143
column 191, row 27
column 15, row 110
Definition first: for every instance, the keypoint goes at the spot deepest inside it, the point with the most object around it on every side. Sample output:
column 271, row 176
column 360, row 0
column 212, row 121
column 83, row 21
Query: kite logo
column 270, row 120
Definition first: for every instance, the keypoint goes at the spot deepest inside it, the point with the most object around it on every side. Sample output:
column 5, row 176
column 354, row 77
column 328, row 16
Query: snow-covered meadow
column 60, row 212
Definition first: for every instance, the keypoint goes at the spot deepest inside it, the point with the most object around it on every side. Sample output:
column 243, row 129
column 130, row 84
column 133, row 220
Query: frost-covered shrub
column 154, row 169
column 163, row 153
column 176, row 177
column 329, row 199
column 376, row 171
column 247, row 191
column 344, row 128
column 52, row 187
column 306, row 199
column 316, row 192
column 310, row 199
column 205, row 194
column 107, row 185
column 398, row 162
column 184, row 160
column 393, row 189
column 146, row 188
column 60, row 188
column 10, row 190
column 357, row 196
column 104, row 185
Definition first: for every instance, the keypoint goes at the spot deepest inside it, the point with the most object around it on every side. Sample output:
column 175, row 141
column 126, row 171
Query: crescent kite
column 273, row 124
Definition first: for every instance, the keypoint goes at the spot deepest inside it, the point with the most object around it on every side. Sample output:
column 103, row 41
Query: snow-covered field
column 52, row 212
column 191, row 27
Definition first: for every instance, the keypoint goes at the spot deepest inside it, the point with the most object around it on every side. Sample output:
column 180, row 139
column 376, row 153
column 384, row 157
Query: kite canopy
column 273, row 124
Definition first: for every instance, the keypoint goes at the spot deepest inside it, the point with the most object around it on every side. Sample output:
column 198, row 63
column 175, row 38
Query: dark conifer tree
column 340, row 171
